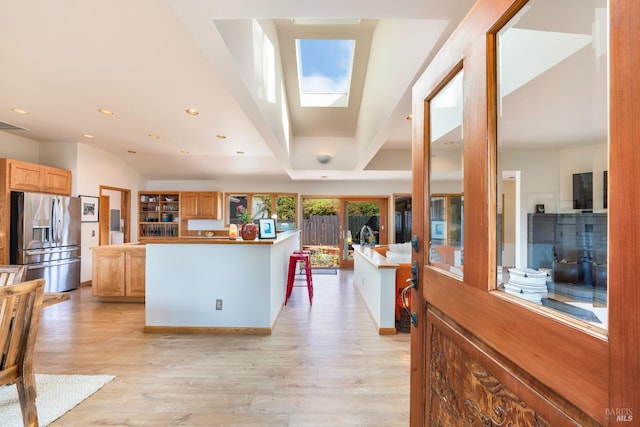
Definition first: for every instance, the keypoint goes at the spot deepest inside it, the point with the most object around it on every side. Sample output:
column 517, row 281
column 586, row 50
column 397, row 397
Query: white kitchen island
column 186, row 278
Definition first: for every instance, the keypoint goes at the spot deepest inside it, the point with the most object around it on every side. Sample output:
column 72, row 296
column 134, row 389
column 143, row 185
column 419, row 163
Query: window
column 324, row 71
column 552, row 157
column 280, row 206
column 446, row 177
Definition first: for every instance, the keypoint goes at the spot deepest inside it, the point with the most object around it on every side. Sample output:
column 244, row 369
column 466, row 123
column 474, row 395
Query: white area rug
column 57, row 394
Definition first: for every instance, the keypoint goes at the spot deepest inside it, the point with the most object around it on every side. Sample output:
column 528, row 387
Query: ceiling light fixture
column 131, row 152
column 154, row 136
column 19, row 111
column 106, row 112
column 324, row 158
column 239, row 152
column 192, row 112
column 184, row 151
column 88, row 135
column 221, row 136
column 409, row 117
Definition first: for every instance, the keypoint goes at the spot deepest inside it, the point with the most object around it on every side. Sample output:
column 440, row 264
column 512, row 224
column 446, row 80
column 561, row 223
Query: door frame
column 383, row 232
column 562, row 373
column 103, row 218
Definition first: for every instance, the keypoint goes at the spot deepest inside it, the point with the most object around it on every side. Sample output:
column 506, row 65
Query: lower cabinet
column 119, row 271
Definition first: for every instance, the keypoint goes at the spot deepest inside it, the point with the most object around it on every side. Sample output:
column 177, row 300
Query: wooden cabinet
column 33, row 177
column 201, row 205
column 158, row 214
column 119, row 271
column 134, row 273
column 25, row 176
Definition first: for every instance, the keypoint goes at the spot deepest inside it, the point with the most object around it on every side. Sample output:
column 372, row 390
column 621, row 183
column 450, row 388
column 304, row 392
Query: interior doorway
column 115, row 215
column 331, row 226
column 402, row 218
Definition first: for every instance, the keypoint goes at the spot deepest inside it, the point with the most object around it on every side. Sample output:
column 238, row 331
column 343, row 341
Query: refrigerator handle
column 52, row 224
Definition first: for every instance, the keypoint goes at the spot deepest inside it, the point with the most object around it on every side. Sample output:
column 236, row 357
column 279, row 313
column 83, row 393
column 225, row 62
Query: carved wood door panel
column 482, row 356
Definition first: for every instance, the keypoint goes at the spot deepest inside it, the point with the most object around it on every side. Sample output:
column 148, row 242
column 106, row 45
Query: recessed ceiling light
column 192, row 111
column 221, row 136
column 239, row 152
column 131, row 152
column 88, row 135
column 154, row 136
column 409, row 117
column 19, row 111
column 106, row 112
column 324, row 176
column 184, row 151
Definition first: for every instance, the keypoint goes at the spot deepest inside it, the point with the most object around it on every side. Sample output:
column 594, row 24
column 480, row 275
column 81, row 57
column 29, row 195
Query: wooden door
column 104, row 236
column 108, row 273
column 188, row 205
column 25, row 176
column 480, row 356
column 208, row 205
column 134, row 265
column 56, row 181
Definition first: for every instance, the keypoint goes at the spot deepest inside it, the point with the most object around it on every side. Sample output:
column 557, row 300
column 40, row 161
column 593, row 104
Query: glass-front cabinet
column 158, row 214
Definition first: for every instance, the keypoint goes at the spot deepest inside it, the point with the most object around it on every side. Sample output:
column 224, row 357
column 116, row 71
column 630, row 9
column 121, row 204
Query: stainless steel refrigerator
column 45, row 236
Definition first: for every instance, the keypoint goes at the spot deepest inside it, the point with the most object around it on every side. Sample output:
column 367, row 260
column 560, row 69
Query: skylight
column 324, row 71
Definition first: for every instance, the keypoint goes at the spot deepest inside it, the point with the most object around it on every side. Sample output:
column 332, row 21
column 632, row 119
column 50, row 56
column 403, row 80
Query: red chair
column 299, row 256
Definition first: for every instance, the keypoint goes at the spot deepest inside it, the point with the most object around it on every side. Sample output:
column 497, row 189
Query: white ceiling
column 233, row 61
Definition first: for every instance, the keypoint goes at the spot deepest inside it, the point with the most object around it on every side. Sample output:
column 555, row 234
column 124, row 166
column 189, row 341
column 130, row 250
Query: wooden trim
column 553, row 410
column 126, row 210
column 543, row 352
column 419, row 187
column 103, row 220
column 120, row 299
column 387, row 331
column 624, row 205
column 205, row 330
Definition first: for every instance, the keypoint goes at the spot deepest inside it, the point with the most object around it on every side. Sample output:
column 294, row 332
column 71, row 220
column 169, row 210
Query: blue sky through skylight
column 324, row 71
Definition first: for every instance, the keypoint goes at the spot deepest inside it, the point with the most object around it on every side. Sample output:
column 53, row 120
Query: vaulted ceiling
column 148, row 61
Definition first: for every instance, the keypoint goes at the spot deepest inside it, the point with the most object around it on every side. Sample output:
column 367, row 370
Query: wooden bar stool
column 293, row 261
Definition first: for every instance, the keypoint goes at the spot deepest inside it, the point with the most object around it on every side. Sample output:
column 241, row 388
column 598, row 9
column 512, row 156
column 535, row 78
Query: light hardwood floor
column 323, row 365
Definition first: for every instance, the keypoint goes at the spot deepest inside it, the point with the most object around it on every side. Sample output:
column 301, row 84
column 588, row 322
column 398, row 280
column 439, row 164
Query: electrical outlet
column 218, row 304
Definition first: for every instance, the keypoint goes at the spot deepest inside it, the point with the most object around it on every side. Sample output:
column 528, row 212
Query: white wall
column 94, row 168
column 547, row 178
column 19, row 148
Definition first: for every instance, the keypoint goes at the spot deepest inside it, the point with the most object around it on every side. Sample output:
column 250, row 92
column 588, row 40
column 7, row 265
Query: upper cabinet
column 200, row 205
column 33, row 177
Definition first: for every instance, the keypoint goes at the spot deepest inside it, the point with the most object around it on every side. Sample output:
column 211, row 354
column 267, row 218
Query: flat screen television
column 583, row 191
column 605, row 185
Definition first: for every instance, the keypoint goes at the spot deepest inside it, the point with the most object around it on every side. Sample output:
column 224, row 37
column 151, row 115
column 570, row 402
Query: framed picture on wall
column 267, row 228
column 437, row 229
column 89, row 208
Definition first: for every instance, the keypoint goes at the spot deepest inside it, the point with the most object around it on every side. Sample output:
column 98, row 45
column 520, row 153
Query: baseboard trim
column 205, row 330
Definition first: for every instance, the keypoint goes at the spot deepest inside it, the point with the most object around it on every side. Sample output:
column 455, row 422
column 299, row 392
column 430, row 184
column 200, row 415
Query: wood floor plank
column 322, row 365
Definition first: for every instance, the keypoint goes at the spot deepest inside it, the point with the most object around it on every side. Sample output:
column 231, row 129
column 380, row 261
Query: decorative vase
column 249, row 231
